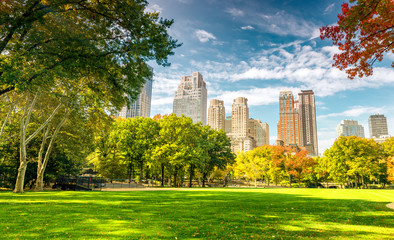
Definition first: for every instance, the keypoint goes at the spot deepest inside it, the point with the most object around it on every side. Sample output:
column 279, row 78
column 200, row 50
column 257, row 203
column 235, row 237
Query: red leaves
column 363, row 34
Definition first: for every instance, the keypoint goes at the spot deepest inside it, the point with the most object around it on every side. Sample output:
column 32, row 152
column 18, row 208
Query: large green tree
column 136, row 137
column 353, row 160
column 107, row 41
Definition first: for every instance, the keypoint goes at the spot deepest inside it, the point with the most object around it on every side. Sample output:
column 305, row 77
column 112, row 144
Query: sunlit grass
column 203, row 214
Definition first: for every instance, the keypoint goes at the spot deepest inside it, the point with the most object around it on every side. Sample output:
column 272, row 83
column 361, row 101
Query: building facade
column 216, row 114
column 259, row 131
column 377, row 126
column 239, row 118
column 288, row 128
column 350, row 128
column 141, row 107
column 227, row 124
column 307, row 121
column 191, row 98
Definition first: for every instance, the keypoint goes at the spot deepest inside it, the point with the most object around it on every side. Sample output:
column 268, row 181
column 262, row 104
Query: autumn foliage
column 364, row 33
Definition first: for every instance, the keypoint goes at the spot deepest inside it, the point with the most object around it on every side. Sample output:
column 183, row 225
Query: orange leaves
column 363, row 34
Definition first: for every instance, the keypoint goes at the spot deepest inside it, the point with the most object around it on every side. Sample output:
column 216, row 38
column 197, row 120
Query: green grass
column 203, row 214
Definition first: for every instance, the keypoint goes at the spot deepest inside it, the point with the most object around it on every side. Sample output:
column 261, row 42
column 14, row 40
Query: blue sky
column 255, row 48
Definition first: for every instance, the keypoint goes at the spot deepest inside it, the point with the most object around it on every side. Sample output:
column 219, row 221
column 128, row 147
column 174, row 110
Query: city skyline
column 254, row 49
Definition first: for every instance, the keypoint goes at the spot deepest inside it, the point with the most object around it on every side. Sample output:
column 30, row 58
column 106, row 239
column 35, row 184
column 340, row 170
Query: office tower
column 227, row 125
column 350, row 128
column 191, row 98
column 142, row 105
column 240, row 117
column 259, row 131
column 241, row 139
column 307, row 121
column 216, row 114
column 377, row 126
column 288, row 128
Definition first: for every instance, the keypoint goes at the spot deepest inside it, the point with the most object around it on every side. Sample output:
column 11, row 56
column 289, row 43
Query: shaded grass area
column 201, row 214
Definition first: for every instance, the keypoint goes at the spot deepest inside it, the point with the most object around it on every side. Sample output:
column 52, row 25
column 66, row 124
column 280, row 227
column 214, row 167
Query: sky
column 256, row 48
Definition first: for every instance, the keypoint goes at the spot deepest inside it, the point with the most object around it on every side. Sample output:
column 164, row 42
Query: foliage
column 353, row 159
column 106, row 42
column 365, row 31
column 165, row 148
column 388, row 150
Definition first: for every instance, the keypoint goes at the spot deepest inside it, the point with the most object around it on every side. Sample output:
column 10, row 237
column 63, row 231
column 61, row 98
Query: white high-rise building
column 350, row 128
column 240, row 118
column 142, row 105
column 259, row 131
column 216, row 114
column 191, row 98
column 241, row 138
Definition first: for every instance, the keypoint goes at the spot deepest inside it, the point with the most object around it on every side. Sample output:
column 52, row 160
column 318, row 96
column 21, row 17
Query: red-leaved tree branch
column 363, row 34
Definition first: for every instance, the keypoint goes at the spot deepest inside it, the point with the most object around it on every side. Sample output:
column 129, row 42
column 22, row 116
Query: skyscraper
column 191, row 98
column 307, row 121
column 216, row 114
column 288, row 128
column 240, row 117
column 227, row 124
column 142, row 105
column 350, row 128
column 241, row 139
column 377, row 126
column 259, row 131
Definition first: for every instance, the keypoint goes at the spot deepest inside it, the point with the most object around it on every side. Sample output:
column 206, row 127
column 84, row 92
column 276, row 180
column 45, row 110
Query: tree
column 177, row 146
column 299, row 165
column 216, row 151
column 106, row 41
column 352, row 159
column 388, row 151
column 136, row 137
column 364, row 33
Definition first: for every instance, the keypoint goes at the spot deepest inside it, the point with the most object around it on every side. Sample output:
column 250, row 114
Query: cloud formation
column 204, row 36
column 154, row 8
column 235, row 12
column 329, row 8
column 355, row 111
column 249, row 27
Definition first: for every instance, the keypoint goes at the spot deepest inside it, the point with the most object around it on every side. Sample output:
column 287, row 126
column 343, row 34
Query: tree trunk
column 299, row 181
column 25, row 120
column 290, row 180
column 175, row 175
column 203, row 180
column 191, row 175
column 162, row 175
column 43, row 164
column 255, row 183
column 141, row 170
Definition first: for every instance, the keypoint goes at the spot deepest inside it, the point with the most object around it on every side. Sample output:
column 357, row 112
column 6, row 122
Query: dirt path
column 390, row 205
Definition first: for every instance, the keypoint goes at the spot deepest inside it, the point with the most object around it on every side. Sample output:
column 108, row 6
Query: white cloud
column 154, row 8
column 249, row 27
column 235, row 12
column 355, row 111
column 204, row 36
column 284, row 24
column 329, row 8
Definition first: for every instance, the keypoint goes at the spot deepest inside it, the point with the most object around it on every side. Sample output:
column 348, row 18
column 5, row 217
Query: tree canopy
column 364, row 33
column 106, row 42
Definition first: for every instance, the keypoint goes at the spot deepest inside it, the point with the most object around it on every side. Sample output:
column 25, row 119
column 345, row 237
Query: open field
column 203, row 214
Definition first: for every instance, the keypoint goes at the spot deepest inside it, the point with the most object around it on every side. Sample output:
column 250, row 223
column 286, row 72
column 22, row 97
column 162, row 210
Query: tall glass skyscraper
column 191, row 98
column 142, row 105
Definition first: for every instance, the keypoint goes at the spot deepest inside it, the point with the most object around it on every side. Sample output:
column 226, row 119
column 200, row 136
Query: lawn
column 203, row 214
